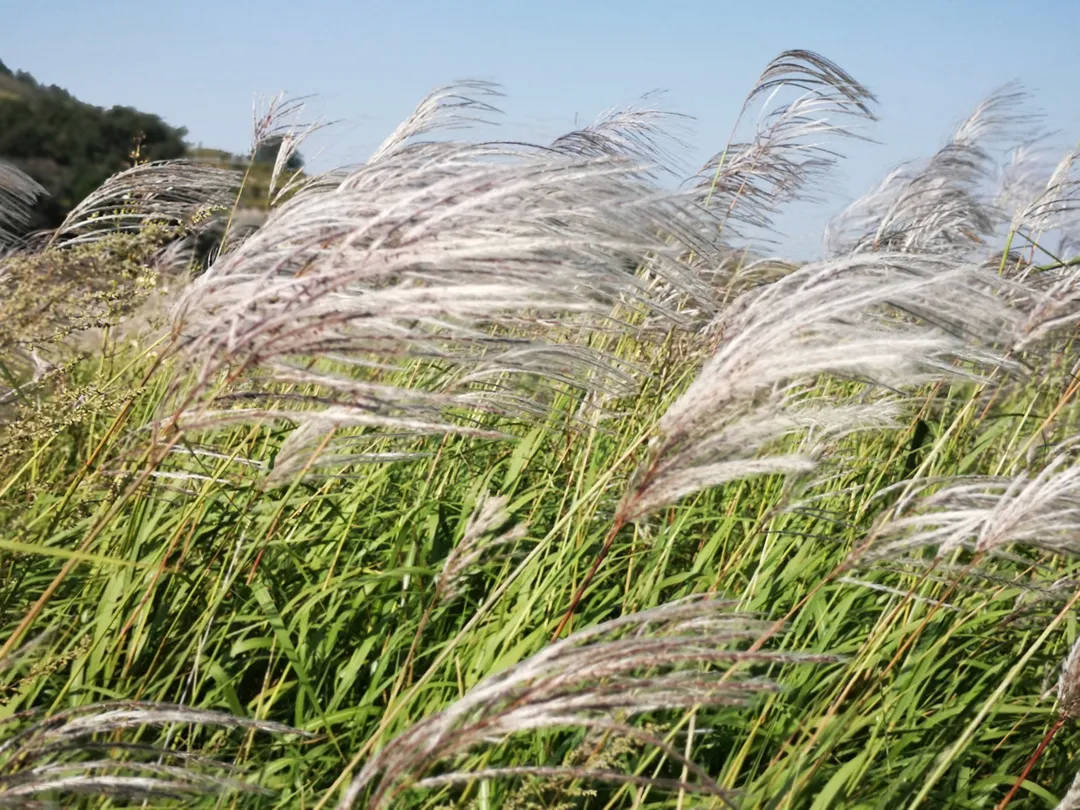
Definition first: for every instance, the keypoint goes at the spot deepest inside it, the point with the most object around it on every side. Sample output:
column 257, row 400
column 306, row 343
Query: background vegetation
column 71, row 147
column 500, row 475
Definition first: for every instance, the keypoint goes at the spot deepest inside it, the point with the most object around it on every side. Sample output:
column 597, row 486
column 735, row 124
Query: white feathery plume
column 894, row 320
column 173, row 192
column 53, row 755
column 488, row 261
column 18, row 193
column 455, row 106
column 988, row 513
column 941, row 206
column 1023, row 175
column 1057, row 205
column 748, row 182
column 1071, row 799
column 641, row 132
column 1068, row 685
column 1068, row 708
column 481, row 538
column 1052, row 306
column 674, row 656
column 279, row 124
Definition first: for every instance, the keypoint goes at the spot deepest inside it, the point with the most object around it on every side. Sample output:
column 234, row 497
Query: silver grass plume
column 987, row 514
column 75, row 752
column 481, row 540
column 892, row 320
column 1068, row 686
column 1057, row 204
column 1051, row 305
column 943, row 205
column 278, row 122
column 748, row 182
column 642, row 132
column 454, row 106
column 487, row 261
column 18, row 193
column 1026, row 176
column 178, row 193
column 646, row 134
column 598, row 678
column 1071, row 799
column 1068, row 695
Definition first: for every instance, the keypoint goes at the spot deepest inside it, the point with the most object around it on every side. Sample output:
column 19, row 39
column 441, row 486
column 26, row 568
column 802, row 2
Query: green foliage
column 47, row 296
column 56, row 305
column 301, row 606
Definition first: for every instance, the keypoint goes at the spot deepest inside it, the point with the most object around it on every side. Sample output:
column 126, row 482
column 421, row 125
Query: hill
column 70, row 146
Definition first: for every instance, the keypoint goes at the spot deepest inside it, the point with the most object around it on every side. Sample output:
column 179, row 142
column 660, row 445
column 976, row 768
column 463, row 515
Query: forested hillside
column 71, row 147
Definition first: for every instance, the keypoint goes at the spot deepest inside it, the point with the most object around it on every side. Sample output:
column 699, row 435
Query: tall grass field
column 504, row 475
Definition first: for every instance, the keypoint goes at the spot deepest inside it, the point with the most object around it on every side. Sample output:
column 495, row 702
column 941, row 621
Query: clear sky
column 199, row 64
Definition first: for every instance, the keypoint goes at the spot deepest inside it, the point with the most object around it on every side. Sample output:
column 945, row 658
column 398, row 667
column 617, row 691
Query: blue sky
column 199, row 64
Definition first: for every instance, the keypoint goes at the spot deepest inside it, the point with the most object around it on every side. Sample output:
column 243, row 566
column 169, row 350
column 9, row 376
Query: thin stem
column 615, row 527
column 1031, row 762
column 965, row 737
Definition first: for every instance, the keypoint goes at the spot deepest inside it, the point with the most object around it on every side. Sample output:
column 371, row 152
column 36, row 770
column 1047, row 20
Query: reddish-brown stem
column 1031, row 762
column 619, row 523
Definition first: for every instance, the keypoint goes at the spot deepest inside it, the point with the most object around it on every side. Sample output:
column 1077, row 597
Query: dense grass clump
column 501, row 475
